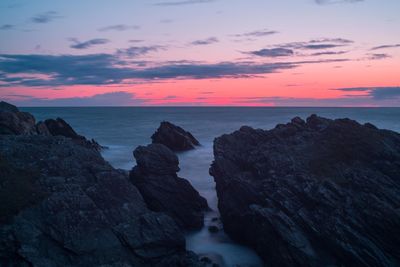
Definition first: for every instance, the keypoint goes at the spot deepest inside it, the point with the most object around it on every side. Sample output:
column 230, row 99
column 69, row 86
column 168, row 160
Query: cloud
column 185, row 2
column 135, row 51
column 327, row 53
column 274, row 52
column 385, row 47
column 119, row 27
column 316, row 44
column 87, row 44
column 106, row 99
column 45, row 17
column 103, row 69
column 378, row 56
column 376, row 93
column 326, row 2
column 6, row 27
column 259, row 33
column 207, row 41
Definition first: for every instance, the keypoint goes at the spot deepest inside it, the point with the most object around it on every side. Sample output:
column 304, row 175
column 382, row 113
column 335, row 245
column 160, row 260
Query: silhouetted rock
column 213, row 229
column 59, row 127
column 14, row 122
column 174, row 137
column 61, row 204
column 155, row 177
column 316, row 193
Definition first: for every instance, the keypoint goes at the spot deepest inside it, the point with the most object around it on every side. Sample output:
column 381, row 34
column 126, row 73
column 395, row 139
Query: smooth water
column 122, row 129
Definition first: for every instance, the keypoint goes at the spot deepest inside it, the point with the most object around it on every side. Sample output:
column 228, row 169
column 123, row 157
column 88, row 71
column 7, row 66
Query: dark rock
column 321, row 193
column 174, row 137
column 63, row 205
column 59, row 127
column 14, row 122
column 213, row 229
column 6, row 107
column 163, row 191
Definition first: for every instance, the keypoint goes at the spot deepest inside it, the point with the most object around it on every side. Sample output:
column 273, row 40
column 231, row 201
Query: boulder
column 14, row 122
column 62, row 204
column 163, row 191
column 174, row 137
column 319, row 192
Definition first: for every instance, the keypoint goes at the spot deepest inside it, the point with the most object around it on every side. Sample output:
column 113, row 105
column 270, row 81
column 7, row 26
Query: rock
column 316, row 193
column 174, row 137
column 213, row 229
column 163, row 191
column 14, row 122
column 62, row 204
column 4, row 106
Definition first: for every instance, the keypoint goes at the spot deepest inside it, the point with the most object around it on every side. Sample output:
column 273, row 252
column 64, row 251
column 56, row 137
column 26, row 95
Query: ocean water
column 122, row 129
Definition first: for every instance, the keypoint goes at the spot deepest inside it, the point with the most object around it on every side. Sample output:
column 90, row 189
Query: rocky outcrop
column 59, row 127
column 14, row 122
column 155, row 177
column 316, row 193
column 174, row 137
column 61, row 204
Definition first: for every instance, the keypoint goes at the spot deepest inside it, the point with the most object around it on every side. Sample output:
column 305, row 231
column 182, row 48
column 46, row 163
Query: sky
column 200, row 53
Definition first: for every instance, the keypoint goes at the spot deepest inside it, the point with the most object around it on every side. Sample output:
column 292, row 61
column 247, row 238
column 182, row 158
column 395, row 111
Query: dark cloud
column 259, row 33
column 273, row 52
column 135, row 51
column 87, row 44
column 327, row 53
column 376, row 93
column 119, row 27
column 385, row 47
column 45, row 17
column 136, row 41
column 316, row 44
column 103, row 69
column 207, row 41
column 378, row 56
column 6, row 27
column 183, row 2
column 106, row 99
column 326, row 2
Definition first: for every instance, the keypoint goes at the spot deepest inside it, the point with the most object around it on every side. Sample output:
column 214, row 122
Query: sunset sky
column 200, row 52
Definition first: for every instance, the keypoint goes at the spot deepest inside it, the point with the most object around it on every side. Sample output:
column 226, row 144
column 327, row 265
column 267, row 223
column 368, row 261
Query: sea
column 122, row 129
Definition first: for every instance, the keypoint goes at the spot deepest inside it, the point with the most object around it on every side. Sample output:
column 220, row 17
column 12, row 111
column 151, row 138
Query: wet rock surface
column 319, row 192
column 174, row 137
column 155, row 177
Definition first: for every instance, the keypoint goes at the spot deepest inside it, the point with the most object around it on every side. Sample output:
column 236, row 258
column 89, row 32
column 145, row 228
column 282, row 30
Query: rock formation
column 14, row 122
column 316, row 193
column 155, row 177
column 174, row 137
column 62, row 204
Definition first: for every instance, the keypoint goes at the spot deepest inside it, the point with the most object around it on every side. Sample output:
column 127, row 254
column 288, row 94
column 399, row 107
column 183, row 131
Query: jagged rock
column 316, row 193
column 59, row 127
column 12, row 121
column 174, row 137
column 61, row 204
column 155, row 177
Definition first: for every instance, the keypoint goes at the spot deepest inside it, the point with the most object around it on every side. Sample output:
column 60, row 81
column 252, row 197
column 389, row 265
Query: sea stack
column 174, row 137
column 319, row 192
column 163, row 191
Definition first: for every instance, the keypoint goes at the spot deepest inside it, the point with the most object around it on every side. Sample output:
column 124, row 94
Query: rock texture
column 316, row 193
column 14, row 122
column 155, row 177
column 61, row 204
column 174, row 137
